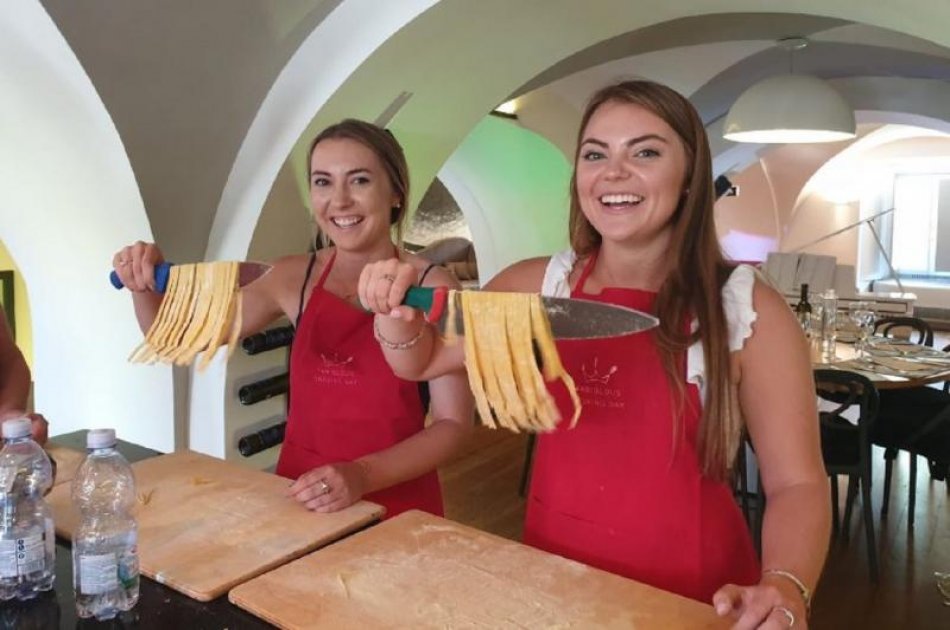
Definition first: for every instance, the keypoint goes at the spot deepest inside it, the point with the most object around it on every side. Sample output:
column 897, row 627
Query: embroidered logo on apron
column 334, row 369
column 595, row 390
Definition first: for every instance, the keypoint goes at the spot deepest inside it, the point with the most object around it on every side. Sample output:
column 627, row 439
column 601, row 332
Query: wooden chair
column 905, row 419
column 846, row 447
column 917, row 421
column 894, row 326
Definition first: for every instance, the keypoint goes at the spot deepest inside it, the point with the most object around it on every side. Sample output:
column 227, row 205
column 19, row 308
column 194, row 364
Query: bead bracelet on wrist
column 396, row 345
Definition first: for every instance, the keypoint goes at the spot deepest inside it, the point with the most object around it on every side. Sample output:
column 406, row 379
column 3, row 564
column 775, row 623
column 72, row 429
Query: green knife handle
column 430, row 300
column 419, row 297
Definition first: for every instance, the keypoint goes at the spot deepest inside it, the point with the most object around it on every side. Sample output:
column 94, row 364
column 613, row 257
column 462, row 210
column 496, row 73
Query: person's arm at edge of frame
column 777, row 398
column 14, row 372
column 15, row 383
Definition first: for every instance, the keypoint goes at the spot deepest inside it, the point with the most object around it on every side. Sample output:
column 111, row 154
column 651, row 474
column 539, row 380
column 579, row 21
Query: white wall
column 512, row 186
column 69, row 201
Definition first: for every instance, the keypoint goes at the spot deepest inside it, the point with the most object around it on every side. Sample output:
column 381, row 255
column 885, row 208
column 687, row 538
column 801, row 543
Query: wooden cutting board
column 67, row 462
column 206, row 525
column 421, row 571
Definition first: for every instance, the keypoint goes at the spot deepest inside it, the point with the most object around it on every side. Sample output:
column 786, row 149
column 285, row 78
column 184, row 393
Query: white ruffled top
column 736, row 299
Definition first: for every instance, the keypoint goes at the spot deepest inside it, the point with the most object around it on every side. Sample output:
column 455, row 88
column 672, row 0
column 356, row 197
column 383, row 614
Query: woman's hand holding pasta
column 383, row 286
column 135, row 266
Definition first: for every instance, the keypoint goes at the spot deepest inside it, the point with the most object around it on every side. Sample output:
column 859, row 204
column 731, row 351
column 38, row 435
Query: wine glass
column 862, row 315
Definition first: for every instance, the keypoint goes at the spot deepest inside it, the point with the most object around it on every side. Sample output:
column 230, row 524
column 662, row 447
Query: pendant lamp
column 790, row 108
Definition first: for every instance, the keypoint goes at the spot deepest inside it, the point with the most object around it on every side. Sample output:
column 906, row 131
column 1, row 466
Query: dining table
column 888, row 363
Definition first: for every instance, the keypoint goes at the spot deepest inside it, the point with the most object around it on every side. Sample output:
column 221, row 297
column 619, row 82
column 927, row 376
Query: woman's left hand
column 769, row 605
column 330, row 488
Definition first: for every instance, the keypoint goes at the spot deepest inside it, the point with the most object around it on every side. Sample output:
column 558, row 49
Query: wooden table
column 206, row 525
column 923, row 365
column 420, row 571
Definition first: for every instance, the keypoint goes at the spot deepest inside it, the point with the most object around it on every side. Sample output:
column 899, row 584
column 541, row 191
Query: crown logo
column 334, row 360
column 594, row 375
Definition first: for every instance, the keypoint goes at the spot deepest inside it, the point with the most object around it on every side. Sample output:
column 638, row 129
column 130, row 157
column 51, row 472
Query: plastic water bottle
column 27, row 539
column 105, row 544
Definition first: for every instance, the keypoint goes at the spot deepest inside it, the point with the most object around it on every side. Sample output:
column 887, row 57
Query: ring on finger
column 324, row 487
column 390, row 277
column 789, row 615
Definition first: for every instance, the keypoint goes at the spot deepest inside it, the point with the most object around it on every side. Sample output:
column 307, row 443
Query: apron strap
column 303, row 288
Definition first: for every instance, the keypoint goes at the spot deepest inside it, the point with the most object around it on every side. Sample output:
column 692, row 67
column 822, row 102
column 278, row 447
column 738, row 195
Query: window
column 920, row 243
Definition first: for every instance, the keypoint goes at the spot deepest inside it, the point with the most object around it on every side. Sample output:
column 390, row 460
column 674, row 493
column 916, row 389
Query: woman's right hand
column 135, row 266
column 383, row 287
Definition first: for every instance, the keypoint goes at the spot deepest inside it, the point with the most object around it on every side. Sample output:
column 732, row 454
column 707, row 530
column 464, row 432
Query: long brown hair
column 694, row 284
column 381, row 142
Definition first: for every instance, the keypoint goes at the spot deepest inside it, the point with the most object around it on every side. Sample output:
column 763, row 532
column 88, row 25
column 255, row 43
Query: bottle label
column 98, row 574
column 31, row 553
column 8, row 564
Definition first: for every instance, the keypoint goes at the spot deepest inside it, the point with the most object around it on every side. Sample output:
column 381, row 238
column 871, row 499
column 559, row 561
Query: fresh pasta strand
column 200, row 311
column 500, row 333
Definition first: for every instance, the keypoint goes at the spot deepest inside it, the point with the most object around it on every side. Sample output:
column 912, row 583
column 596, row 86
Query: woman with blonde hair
column 641, row 486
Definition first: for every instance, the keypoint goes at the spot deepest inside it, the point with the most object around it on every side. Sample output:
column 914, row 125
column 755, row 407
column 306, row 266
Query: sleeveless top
column 617, row 492
column 345, row 401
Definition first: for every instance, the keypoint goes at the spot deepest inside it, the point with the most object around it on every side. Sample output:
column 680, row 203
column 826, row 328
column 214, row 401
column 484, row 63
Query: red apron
column 614, row 492
column 345, row 401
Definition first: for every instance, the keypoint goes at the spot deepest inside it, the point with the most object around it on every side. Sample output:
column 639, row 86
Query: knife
column 248, row 272
column 570, row 318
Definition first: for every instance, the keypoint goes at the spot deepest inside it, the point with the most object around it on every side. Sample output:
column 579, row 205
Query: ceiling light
column 508, row 109
column 790, row 108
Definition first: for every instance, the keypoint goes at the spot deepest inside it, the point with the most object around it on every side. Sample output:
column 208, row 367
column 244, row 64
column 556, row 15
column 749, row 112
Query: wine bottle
column 803, row 309
column 263, row 389
column 261, row 440
column 268, row 340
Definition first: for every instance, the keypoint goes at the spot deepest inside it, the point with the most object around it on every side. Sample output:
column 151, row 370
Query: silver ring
column 324, row 487
column 789, row 615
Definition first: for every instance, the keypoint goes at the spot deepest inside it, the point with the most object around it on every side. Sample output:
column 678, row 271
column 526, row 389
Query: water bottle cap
column 100, row 438
column 16, row 428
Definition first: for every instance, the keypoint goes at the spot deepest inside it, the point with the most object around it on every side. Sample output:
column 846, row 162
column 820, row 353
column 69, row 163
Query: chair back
column 895, row 326
column 845, row 446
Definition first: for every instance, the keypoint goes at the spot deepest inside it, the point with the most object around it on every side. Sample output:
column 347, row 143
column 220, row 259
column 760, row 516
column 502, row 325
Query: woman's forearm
column 796, row 530
column 407, row 346
column 414, row 456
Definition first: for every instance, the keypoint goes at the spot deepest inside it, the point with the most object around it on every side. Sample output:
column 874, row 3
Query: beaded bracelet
column 791, row 577
column 393, row 345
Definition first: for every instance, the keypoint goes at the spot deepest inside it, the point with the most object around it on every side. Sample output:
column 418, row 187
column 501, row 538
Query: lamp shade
column 790, row 108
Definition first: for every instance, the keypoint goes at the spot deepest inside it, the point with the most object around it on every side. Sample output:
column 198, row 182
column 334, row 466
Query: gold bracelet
column 396, row 345
column 791, row 577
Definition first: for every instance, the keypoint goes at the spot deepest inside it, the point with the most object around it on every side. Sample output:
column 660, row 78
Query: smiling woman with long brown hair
column 354, row 429
column 640, row 486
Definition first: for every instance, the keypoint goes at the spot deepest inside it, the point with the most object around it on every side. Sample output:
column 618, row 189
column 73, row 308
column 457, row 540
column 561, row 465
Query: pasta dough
column 201, row 311
column 502, row 331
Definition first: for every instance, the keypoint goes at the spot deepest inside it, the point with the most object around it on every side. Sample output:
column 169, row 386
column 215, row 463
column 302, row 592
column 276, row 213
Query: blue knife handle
column 161, row 277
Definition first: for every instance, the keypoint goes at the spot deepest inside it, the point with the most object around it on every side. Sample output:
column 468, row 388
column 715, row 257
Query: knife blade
column 570, row 318
column 248, row 272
